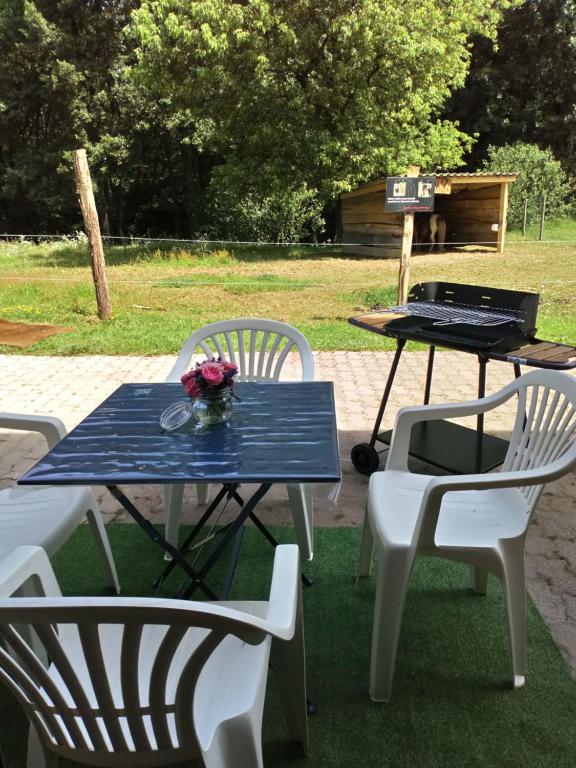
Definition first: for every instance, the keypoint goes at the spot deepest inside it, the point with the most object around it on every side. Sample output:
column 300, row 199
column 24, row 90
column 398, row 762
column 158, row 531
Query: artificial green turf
column 452, row 702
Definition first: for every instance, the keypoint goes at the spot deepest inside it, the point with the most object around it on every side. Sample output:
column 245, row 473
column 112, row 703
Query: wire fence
column 134, row 239
column 80, row 238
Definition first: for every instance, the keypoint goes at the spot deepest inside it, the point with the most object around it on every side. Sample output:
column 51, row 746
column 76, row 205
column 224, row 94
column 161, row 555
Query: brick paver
column 70, row 387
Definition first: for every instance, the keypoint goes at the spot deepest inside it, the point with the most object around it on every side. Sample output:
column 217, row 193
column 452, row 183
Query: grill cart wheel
column 365, row 458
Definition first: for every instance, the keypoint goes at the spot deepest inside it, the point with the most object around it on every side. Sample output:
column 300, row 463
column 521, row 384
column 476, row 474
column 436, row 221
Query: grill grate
column 446, row 314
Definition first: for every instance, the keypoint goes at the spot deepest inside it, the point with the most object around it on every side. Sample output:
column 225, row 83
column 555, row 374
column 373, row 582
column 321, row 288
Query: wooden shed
column 474, row 206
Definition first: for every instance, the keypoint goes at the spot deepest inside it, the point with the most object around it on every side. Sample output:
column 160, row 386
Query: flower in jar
column 212, row 373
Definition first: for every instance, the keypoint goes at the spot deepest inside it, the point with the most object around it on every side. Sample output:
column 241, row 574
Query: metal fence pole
column 542, row 215
column 525, row 217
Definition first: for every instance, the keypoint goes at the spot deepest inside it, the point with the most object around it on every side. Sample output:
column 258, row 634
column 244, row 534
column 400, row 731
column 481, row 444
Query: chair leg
column 173, row 495
column 99, row 532
column 288, row 663
column 366, row 549
column 203, row 493
column 238, row 743
column 301, row 504
column 479, row 577
column 393, row 571
column 515, row 592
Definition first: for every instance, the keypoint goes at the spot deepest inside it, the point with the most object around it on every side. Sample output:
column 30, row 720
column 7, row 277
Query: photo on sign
column 399, row 189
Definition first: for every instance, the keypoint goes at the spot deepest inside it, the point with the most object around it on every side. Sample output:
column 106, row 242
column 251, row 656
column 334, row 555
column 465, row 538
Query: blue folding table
column 279, row 433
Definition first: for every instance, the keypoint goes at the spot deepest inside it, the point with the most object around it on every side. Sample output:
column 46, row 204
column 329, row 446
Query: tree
column 525, row 88
column 312, row 94
column 63, row 86
column 539, row 173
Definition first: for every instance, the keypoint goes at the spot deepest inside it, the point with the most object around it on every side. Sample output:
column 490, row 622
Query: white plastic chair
column 46, row 516
column 479, row 519
column 151, row 682
column 259, row 348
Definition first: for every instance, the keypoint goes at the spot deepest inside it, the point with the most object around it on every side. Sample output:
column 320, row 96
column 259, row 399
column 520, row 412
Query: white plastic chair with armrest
column 46, row 516
column 151, row 682
column 477, row 519
column 259, row 348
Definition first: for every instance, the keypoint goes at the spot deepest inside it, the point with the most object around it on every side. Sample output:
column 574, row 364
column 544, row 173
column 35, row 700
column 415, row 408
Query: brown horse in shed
column 430, row 230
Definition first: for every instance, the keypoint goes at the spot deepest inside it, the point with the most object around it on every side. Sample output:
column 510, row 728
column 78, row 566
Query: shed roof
column 444, row 178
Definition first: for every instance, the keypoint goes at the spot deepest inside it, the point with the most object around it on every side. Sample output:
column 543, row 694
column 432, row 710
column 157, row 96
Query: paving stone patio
column 70, row 387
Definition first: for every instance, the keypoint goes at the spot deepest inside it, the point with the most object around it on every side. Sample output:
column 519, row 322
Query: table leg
column 266, row 533
column 195, row 531
column 151, row 531
column 231, row 531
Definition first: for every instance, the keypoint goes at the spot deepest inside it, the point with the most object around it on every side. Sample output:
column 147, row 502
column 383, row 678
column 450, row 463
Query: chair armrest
column 284, row 592
column 437, row 487
column 51, row 427
column 279, row 622
column 26, row 563
column 406, row 418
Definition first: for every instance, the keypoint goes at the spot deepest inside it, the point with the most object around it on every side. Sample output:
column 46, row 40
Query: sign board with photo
column 410, row 194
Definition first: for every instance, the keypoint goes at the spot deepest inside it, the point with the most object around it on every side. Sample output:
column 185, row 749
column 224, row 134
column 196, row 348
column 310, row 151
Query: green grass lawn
column 161, row 294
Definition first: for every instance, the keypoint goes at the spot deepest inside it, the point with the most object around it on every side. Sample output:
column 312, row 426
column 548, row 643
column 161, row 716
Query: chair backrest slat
column 241, row 353
column 230, row 352
column 185, row 691
column 206, row 349
column 75, row 689
column 129, row 681
column 252, row 365
column 281, row 358
column 259, row 348
column 90, row 639
column 544, row 429
column 27, row 688
column 271, row 374
column 158, row 682
column 263, row 353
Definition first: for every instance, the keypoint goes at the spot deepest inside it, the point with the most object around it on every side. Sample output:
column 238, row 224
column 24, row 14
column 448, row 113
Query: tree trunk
column 92, row 226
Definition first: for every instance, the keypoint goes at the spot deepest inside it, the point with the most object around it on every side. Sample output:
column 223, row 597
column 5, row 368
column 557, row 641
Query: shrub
column 539, row 173
column 263, row 212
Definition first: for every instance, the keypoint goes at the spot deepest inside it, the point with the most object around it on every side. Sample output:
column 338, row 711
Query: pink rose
column 189, row 376
column 226, row 366
column 192, row 388
column 212, row 374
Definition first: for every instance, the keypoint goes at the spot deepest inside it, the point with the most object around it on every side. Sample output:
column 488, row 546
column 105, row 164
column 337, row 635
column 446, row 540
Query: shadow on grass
column 72, row 255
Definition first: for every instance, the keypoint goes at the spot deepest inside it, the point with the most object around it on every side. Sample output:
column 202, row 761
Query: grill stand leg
column 364, row 455
column 482, row 363
column 429, row 371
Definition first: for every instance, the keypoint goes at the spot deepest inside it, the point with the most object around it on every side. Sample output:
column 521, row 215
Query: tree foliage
column 539, row 173
column 234, row 117
column 524, row 89
column 313, row 94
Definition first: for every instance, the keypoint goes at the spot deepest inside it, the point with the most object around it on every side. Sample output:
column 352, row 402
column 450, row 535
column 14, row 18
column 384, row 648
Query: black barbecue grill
column 493, row 324
column 464, row 315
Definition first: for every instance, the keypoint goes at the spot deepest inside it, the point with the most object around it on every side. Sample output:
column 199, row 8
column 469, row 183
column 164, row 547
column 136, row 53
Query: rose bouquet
column 210, row 384
column 209, row 378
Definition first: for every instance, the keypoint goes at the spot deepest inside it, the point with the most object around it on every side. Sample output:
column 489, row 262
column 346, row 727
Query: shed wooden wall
column 470, row 212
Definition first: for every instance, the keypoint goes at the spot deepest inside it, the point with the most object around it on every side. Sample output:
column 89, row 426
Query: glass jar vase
column 212, row 407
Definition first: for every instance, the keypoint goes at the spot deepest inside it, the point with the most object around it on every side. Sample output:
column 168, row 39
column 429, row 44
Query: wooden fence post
column 92, row 226
column 407, row 236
